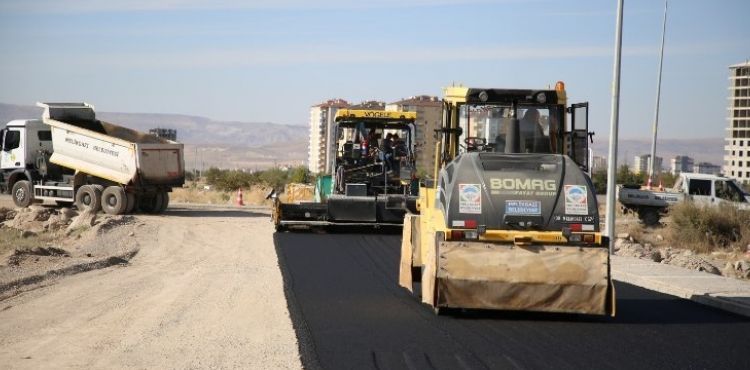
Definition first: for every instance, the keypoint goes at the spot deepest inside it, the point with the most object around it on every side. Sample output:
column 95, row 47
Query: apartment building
column 429, row 113
column 322, row 148
column 707, row 168
column 682, row 163
column 642, row 163
column 737, row 148
column 598, row 163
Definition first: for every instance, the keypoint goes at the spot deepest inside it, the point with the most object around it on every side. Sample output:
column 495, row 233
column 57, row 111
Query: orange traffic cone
column 661, row 186
column 239, row 197
column 648, row 183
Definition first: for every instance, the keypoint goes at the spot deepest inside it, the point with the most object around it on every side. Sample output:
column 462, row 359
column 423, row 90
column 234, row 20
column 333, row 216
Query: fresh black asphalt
column 349, row 313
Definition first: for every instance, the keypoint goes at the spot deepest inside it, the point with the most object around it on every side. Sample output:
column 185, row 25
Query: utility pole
column 614, row 125
column 652, row 167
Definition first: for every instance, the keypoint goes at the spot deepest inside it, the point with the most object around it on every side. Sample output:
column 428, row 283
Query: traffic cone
column 239, row 197
column 648, row 183
column 661, row 186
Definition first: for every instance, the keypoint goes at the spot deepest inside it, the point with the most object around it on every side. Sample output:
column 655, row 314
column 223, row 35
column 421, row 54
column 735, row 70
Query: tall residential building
column 322, row 150
column 682, row 163
column 429, row 112
column 598, row 163
column 707, row 168
column 641, row 164
column 737, row 149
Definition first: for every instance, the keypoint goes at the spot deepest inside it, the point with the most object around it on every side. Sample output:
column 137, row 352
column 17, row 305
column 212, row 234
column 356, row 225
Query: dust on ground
column 41, row 243
column 204, row 291
column 197, row 194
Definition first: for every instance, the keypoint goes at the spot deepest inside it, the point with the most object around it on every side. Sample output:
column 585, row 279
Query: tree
column 625, row 176
column 274, row 177
column 299, row 174
column 213, row 175
column 599, row 178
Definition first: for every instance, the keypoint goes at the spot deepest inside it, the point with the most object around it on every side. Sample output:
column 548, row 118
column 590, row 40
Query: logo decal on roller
column 576, row 200
column 469, row 198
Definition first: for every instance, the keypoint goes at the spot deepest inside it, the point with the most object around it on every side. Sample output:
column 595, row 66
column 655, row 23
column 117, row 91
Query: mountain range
column 208, row 143
column 258, row 145
column 709, row 149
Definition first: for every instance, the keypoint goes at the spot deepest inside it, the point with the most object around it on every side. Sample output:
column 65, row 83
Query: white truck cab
column 22, row 142
column 711, row 190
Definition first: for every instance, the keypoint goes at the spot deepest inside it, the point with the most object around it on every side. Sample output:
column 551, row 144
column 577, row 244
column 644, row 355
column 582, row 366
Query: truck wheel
column 649, row 216
column 114, row 200
column 22, row 194
column 130, row 207
column 164, row 201
column 88, row 198
column 147, row 203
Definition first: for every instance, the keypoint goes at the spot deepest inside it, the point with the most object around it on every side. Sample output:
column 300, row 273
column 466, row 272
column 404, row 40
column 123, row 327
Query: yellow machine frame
column 502, row 269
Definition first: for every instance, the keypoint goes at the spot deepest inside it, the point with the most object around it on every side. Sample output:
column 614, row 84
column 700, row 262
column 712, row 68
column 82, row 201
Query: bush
column 231, row 180
column 705, row 228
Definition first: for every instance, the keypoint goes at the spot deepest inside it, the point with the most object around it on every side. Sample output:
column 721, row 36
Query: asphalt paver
column 349, row 313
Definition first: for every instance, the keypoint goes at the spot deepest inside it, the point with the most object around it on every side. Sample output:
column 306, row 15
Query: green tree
column 233, row 180
column 625, row 176
column 299, row 174
column 274, row 177
column 213, row 175
column 599, row 178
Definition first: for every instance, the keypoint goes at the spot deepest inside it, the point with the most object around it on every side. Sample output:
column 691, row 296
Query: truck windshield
column 485, row 127
column 12, row 140
column 727, row 190
column 362, row 141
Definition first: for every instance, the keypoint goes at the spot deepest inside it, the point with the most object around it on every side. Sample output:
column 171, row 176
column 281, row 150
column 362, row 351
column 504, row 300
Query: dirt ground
column 203, row 291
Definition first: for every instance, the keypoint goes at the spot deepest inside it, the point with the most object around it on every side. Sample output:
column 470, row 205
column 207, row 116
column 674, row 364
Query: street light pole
column 614, row 124
column 652, row 168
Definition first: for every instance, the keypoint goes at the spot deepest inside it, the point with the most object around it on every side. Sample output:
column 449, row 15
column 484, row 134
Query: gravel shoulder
column 204, row 291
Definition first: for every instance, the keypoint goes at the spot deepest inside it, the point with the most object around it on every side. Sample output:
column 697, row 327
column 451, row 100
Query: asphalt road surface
column 349, row 313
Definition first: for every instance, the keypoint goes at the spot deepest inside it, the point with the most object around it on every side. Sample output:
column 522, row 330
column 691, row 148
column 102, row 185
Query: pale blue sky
column 269, row 61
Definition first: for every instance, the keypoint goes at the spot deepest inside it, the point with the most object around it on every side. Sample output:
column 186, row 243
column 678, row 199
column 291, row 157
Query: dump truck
column 70, row 157
column 650, row 205
column 511, row 220
column 373, row 179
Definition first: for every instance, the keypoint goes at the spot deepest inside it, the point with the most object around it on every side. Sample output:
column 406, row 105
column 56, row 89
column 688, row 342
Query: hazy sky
column 270, row 61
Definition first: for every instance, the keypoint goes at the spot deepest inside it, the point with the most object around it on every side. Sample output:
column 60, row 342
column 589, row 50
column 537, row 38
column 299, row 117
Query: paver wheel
column 114, row 200
column 89, row 198
column 22, row 194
